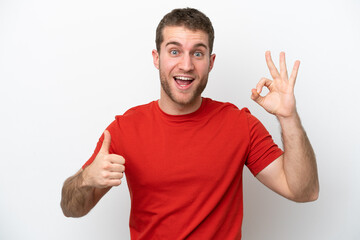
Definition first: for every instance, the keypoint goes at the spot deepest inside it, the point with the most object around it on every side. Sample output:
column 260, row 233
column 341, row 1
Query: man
column 185, row 154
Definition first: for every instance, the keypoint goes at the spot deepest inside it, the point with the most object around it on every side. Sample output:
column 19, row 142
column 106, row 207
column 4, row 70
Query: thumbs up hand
column 107, row 169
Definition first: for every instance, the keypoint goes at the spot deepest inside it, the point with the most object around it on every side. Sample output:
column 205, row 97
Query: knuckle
column 105, row 174
column 106, row 165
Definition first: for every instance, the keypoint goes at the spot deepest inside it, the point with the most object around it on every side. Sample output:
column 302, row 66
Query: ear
column 212, row 60
column 155, row 55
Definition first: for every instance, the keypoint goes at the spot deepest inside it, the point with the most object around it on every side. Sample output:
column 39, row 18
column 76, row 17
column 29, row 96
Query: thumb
column 106, row 143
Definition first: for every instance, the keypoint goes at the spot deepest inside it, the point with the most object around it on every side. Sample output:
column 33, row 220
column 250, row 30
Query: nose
column 186, row 63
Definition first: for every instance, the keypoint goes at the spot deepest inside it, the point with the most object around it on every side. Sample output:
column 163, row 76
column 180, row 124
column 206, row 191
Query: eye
column 198, row 54
column 174, row 52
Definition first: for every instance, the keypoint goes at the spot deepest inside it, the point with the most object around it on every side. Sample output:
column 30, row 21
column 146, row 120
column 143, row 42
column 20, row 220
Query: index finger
column 273, row 70
column 116, row 159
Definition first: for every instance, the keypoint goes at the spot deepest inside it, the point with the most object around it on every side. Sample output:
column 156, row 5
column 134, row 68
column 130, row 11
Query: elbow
column 309, row 193
column 308, row 197
column 315, row 193
column 314, row 196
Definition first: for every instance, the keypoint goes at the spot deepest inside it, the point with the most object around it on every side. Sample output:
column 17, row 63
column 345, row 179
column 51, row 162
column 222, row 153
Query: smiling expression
column 184, row 63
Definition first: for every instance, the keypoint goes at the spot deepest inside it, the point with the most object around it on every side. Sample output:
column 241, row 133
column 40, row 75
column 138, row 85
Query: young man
column 185, row 154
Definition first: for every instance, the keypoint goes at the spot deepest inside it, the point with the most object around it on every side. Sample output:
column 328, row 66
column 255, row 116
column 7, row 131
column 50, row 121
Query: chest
column 159, row 156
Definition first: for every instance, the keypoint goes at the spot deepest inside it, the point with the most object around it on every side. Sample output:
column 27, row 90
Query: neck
column 173, row 108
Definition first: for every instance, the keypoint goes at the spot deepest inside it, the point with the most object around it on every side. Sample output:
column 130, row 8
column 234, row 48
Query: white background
column 68, row 67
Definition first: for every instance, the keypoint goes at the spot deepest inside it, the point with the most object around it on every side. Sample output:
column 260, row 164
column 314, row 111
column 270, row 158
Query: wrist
column 294, row 116
column 291, row 124
column 82, row 182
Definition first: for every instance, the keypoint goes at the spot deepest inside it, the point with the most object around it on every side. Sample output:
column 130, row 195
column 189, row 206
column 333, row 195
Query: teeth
column 184, row 78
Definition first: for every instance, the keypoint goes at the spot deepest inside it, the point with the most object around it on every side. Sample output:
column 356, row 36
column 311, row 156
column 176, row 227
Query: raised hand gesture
column 82, row 191
column 280, row 100
column 107, row 169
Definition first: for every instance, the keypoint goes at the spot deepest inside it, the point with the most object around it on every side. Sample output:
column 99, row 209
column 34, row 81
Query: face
column 184, row 63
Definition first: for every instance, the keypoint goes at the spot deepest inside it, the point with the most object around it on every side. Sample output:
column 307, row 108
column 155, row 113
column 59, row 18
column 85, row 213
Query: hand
column 280, row 100
column 107, row 169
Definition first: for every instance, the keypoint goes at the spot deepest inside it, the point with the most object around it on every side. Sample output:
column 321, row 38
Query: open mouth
column 183, row 82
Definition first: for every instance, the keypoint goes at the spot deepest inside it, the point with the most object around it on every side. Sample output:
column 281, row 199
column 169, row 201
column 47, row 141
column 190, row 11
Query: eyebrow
column 178, row 44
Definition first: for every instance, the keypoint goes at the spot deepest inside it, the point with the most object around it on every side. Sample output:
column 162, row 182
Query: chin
column 183, row 100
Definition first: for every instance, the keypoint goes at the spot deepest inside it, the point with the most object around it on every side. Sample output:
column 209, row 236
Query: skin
column 182, row 53
column 294, row 174
column 185, row 53
column 82, row 191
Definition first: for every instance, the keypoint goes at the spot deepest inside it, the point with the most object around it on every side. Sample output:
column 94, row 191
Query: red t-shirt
column 184, row 172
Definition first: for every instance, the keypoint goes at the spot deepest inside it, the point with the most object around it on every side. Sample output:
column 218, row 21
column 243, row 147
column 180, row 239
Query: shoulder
column 226, row 108
column 130, row 120
column 137, row 111
column 132, row 116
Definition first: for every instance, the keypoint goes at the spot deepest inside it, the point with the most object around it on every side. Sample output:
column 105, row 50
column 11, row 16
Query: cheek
column 203, row 68
column 167, row 65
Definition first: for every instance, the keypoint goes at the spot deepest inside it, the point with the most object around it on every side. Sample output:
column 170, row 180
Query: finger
column 116, row 168
column 283, row 70
column 263, row 82
column 273, row 70
column 256, row 96
column 294, row 72
column 116, row 159
column 106, row 142
column 113, row 182
column 116, row 175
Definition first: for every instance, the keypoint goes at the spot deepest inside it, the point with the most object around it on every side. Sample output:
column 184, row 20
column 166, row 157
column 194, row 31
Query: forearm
column 299, row 160
column 77, row 200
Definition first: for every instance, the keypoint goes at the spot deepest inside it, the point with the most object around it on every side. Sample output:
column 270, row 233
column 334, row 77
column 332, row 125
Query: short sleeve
column 263, row 150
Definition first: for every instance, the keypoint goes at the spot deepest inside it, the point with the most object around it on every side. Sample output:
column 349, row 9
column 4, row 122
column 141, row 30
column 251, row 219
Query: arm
column 294, row 174
column 82, row 191
column 77, row 199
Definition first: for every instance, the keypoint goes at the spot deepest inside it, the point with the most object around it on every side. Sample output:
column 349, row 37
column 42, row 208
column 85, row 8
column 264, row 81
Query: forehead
column 184, row 36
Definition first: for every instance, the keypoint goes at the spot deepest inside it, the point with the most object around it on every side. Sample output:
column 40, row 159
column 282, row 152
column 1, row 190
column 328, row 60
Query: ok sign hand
column 280, row 100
